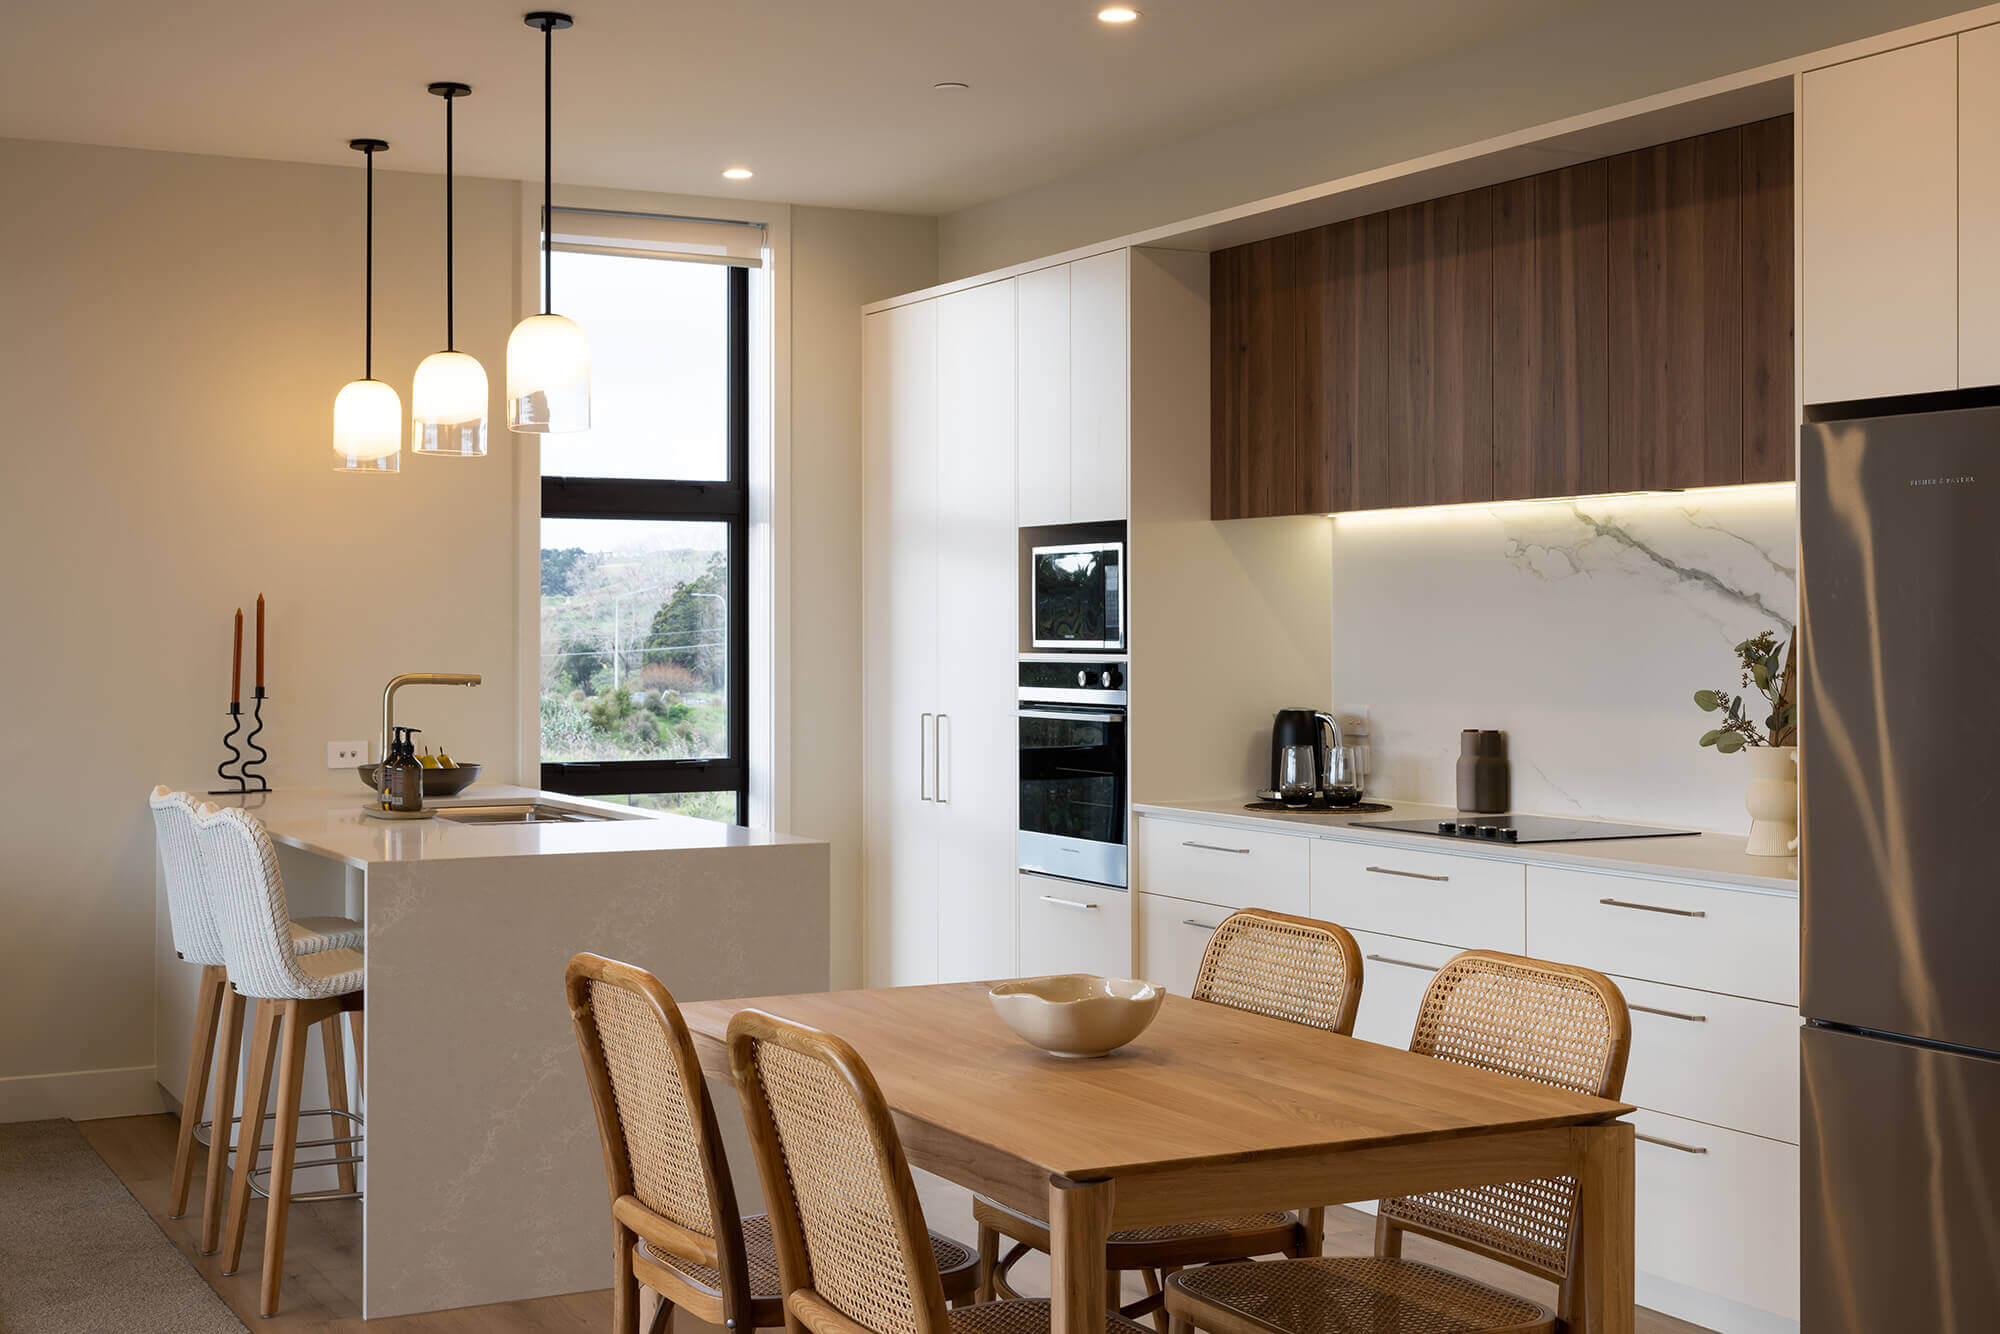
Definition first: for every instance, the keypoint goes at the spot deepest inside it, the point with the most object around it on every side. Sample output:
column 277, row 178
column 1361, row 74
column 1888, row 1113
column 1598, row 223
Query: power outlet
column 346, row 754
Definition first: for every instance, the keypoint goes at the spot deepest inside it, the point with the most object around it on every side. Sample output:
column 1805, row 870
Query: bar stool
column 294, row 992
column 218, row 1010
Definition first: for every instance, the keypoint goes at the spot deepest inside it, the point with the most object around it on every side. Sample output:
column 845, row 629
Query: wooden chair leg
column 228, row 1059
column 333, row 1050
column 1153, row 1279
column 194, row 1094
column 284, row 1150
column 989, row 1257
column 663, row 1316
column 263, row 1034
column 1388, row 1238
column 1312, row 1225
column 624, row 1286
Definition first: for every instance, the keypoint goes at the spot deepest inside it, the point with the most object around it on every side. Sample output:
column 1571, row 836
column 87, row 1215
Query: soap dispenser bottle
column 402, row 776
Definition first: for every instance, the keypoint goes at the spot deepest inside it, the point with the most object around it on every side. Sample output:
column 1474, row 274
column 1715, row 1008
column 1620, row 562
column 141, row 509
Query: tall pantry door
column 977, row 757
column 900, row 644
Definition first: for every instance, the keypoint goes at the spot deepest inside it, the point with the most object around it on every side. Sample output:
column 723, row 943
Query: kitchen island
column 484, row 1181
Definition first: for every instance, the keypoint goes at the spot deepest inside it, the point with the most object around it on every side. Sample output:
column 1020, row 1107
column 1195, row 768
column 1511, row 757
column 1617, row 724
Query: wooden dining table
column 1211, row 1112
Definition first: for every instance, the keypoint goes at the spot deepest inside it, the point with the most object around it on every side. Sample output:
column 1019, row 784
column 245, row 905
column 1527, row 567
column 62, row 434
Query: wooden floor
column 322, row 1290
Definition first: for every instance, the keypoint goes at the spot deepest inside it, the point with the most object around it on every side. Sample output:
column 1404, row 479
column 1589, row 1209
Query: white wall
column 1590, row 56
column 176, row 328
column 1582, row 628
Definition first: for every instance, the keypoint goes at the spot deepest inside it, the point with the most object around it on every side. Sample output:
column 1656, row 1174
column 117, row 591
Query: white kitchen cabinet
column 1395, row 974
column 1879, row 213
column 1068, row 926
column 1074, row 391
column 939, row 554
column 1979, row 206
column 1470, row 902
column 1225, row 864
column 1173, row 934
column 1721, row 1059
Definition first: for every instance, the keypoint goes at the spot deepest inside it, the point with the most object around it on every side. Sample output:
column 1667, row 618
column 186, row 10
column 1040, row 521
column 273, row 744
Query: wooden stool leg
column 284, row 1149
column 263, row 1037
column 989, row 1259
column 360, row 1065
column 194, row 1095
column 332, row 1049
column 228, row 1059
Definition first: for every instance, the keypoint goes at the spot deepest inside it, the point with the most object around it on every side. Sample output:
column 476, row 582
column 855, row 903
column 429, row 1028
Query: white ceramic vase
column 1773, row 801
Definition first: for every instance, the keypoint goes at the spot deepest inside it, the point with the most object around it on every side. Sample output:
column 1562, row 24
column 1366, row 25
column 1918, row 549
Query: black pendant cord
column 369, row 148
column 450, row 328
column 548, row 164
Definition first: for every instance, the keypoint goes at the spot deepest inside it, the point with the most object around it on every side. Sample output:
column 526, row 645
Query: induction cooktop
column 1522, row 828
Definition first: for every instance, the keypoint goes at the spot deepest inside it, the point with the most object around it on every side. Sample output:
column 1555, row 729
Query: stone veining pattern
column 1580, row 627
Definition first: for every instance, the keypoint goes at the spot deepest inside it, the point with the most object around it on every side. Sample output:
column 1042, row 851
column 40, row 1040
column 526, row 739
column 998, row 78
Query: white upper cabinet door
column 1042, row 341
column 977, row 744
column 900, row 642
column 1879, row 175
column 1979, row 207
column 1099, row 386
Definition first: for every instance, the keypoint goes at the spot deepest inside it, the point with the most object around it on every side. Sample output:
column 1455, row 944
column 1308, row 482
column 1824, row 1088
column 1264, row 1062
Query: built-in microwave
column 1078, row 594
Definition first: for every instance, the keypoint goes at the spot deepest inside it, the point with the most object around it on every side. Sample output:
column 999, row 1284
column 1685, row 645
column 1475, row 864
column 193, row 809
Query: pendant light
column 367, row 414
column 548, row 359
column 448, row 398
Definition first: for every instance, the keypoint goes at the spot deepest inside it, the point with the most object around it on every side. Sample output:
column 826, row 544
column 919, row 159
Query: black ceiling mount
column 548, row 20
column 449, row 89
column 368, row 145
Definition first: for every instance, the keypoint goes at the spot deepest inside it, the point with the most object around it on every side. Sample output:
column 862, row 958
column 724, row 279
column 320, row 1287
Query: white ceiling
column 830, row 101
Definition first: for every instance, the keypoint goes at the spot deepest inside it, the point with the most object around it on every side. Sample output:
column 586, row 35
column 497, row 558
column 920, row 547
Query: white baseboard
column 81, row 1095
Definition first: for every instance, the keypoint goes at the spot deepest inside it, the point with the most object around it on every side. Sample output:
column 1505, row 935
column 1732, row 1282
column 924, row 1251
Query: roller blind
column 650, row 236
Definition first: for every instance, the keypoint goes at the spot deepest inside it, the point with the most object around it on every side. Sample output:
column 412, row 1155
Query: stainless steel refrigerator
column 1899, row 529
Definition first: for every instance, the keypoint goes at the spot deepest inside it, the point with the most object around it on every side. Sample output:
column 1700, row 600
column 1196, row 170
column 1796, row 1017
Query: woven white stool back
column 195, row 936
column 246, row 896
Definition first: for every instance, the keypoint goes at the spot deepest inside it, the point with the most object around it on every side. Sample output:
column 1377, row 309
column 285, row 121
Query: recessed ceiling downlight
column 738, row 173
column 1117, row 14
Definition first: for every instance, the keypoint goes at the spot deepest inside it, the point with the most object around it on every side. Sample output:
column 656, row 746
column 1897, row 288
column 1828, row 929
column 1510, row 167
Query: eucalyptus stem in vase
column 1768, row 667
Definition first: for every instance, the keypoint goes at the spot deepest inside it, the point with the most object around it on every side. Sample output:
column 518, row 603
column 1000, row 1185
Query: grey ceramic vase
column 1483, row 785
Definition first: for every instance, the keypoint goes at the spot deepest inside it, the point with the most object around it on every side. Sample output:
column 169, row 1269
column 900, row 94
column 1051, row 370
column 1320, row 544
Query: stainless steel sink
column 525, row 813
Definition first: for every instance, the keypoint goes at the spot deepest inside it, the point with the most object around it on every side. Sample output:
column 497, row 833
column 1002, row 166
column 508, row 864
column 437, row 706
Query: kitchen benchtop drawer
column 1467, row 902
column 1224, row 865
column 1739, row 942
column 1718, row 1212
column 1715, row 1058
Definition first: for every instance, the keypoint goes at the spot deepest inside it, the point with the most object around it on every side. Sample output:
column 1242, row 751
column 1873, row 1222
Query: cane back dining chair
column 1292, row 968
column 853, row 1251
column 1551, row 1023
column 676, row 1228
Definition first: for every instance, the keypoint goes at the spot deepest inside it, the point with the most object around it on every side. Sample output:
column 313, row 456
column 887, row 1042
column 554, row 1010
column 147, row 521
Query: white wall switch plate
column 346, row 754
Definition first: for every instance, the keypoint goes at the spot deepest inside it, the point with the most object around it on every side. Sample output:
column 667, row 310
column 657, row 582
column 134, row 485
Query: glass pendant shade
column 367, row 427
column 548, row 376
column 448, row 406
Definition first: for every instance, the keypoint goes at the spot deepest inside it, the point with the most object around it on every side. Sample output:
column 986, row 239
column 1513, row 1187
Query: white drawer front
column 1395, row 973
column 1070, row 927
column 1715, row 1058
column 1717, row 1211
column 1173, row 933
column 1470, row 902
column 1744, row 944
column 1224, row 865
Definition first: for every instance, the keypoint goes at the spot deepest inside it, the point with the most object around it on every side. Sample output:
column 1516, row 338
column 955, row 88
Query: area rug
column 78, row 1253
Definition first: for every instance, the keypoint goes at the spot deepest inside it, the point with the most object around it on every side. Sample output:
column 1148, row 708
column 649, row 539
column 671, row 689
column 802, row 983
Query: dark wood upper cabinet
column 1618, row 325
column 1551, row 385
column 1437, row 448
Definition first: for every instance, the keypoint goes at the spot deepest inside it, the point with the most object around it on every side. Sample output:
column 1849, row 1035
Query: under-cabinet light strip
column 1693, row 492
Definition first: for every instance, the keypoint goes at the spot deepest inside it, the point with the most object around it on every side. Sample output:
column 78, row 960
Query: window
column 644, row 531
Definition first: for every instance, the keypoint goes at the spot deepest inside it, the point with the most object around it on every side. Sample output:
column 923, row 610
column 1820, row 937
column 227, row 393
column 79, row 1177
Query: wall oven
column 1078, row 596
column 1073, row 793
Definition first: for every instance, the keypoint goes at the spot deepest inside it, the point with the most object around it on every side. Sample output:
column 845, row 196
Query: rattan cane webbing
column 1538, row 1022
column 1357, row 1295
column 1272, row 966
column 1209, row 1227
column 1027, row 1315
column 841, row 1188
column 653, row 1109
column 761, row 1254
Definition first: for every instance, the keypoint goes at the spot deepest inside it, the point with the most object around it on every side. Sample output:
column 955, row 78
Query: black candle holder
column 246, row 770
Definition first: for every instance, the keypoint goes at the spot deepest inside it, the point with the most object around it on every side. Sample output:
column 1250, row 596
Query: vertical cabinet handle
column 924, row 757
column 941, row 783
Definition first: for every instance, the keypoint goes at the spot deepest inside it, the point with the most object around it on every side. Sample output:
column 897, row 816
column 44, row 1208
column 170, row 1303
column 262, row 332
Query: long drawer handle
column 1673, row 1144
column 1068, row 903
column 1669, row 1014
column 1216, row 847
column 1411, row 875
column 1402, row 963
column 1206, row 926
column 1653, row 907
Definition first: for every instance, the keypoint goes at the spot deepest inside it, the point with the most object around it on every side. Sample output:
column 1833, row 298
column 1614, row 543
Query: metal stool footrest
column 204, row 1131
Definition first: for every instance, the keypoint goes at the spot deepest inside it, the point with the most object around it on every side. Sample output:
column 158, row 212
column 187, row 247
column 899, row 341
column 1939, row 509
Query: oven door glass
column 1073, row 773
column 1079, row 597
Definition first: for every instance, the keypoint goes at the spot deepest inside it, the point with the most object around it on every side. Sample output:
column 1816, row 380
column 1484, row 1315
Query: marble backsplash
column 1581, row 628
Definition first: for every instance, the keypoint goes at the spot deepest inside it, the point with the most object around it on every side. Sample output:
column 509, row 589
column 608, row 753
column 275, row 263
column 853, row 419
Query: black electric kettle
column 1319, row 730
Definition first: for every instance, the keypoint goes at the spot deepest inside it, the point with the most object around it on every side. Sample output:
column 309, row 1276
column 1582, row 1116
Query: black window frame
column 704, row 502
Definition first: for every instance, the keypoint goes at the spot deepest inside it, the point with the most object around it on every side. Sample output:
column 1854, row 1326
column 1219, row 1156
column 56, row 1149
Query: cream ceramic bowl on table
column 1076, row 1015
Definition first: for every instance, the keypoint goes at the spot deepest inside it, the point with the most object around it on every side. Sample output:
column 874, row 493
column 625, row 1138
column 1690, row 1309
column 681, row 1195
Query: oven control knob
column 1083, row 678
column 1114, row 679
column 1489, row 831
